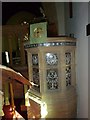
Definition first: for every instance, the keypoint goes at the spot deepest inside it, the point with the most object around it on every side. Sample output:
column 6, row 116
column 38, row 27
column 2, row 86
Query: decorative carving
column 35, row 59
column 68, row 58
column 47, row 44
column 52, row 79
column 36, row 79
column 51, row 59
column 68, row 75
column 38, row 32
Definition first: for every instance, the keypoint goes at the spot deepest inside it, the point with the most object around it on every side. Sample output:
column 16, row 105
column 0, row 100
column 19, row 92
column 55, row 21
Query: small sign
column 38, row 33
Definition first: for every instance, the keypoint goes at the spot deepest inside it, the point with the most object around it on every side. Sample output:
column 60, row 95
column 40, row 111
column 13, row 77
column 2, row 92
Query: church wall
column 77, row 26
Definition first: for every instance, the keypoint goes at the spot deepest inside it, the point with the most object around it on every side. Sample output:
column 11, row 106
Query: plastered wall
column 77, row 26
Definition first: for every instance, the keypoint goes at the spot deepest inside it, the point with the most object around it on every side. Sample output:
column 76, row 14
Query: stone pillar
column 22, row 52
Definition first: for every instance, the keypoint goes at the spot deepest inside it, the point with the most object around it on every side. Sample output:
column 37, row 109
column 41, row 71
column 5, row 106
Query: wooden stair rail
column 13, row 75
column 8, row 75
column 12, row 98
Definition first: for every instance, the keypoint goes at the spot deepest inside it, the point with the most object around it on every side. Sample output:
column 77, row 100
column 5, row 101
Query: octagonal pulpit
column 52, row 68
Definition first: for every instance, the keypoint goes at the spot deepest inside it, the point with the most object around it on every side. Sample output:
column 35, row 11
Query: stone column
column 22, row 52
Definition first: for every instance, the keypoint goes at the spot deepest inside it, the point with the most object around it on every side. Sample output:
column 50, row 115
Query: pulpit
column 52, row 68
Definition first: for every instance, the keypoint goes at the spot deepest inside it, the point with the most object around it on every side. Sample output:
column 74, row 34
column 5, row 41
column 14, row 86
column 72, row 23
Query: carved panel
column 35, row 59
column 52, row 79
column 51, row 59
column 68, row 58
column 68, row 75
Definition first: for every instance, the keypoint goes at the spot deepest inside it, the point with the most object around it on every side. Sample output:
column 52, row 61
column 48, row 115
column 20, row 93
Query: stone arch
column 19, row 17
